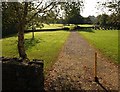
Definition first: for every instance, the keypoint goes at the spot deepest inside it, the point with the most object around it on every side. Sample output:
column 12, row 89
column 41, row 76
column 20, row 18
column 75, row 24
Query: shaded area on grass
column 45, row 46
column 31, row 42
column 87, row 30
column 41, row 30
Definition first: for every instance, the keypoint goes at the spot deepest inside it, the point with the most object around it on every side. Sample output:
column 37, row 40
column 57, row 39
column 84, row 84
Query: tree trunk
column 33, row 29
column 21, row 48
column 33, row 35
column 20, row 27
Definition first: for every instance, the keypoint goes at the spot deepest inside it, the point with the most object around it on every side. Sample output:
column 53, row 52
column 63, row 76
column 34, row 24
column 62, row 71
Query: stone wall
column 22, row 76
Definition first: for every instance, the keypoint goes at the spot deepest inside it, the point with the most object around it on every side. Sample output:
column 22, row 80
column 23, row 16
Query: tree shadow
column 31, row 42
column 86, row 30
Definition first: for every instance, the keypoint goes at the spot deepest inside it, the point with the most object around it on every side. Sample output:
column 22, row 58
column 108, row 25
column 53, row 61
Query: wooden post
column 95, row 68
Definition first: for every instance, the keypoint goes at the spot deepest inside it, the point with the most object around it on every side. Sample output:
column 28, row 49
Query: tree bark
column 33, row 29
column 20, row 28
column 32, row 35
column 21, row 48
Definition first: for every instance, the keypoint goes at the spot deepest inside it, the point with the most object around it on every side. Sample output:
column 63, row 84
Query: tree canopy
column 18, row 16
column 111, row 21
column 72, row 12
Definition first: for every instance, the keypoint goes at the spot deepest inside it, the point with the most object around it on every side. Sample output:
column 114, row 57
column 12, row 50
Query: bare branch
column 25, row 10
column 38, row 5
column 41, row 11
column 17, row 10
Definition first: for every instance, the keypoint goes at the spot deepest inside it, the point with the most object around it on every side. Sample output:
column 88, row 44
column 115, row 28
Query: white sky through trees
column 91, row 7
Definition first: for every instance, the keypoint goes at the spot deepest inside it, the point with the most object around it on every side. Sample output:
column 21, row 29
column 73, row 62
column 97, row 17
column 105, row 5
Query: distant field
column 45, row 46
column 52, row 26
column 49, row 26
column 105, row 41
column 86, row 25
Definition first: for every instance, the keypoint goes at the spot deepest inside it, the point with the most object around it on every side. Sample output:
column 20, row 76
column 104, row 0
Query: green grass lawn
column 51, row 26
column 85, row 25
column 45, row 46
column 105, row 41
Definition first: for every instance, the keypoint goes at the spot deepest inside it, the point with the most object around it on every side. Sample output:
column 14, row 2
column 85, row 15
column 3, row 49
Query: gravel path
column 74, row 68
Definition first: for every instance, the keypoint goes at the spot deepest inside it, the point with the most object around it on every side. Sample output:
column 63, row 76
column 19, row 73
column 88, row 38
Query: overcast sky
column 90, row 8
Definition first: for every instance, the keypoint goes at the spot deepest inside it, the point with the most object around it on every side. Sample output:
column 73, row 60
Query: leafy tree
column 23, row 14
column 103, row 20
column 112, row 20
column 9, row 19
column 93, row 19
column 51, row 17
column 72, row 12
column 87, row 20
column 114, row 7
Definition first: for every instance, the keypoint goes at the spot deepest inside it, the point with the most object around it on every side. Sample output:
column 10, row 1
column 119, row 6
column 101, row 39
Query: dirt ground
column 74, row 69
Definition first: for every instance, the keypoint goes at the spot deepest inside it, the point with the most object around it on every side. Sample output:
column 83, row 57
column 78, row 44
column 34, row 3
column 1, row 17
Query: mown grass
column 48, row 26
column 85, row 25
column 45, row 46
column 51, row 26
column 105, row 41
